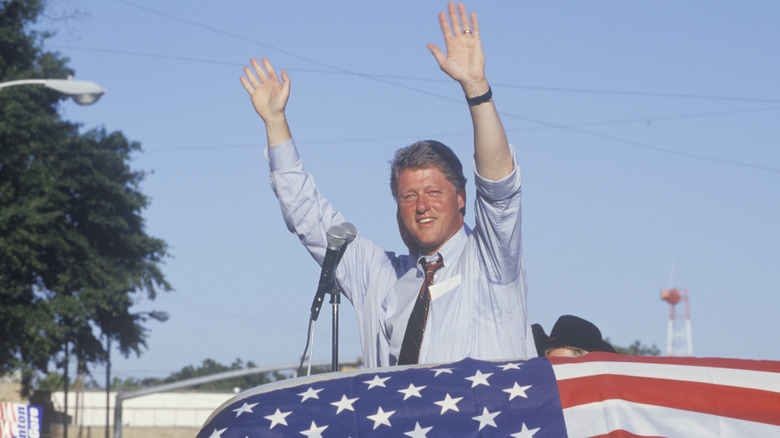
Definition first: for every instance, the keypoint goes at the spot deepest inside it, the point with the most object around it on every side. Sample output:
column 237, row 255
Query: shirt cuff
column 282, row 156
column 503, row 188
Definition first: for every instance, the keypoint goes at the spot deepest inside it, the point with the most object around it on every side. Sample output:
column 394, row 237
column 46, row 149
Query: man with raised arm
column 461, row 291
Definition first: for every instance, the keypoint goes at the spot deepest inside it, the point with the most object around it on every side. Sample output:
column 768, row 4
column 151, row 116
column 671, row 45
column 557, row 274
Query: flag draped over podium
column 597, row 395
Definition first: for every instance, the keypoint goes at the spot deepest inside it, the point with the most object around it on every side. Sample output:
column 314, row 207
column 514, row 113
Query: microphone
column 337, row 239
column 351, row 234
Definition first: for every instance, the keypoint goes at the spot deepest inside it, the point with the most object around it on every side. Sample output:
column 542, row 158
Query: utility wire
column 381, row 78
column 424, row 79
column 540, row 123
column 645, row 93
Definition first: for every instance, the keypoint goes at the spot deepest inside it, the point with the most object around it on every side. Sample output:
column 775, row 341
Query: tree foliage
column 73, row 251
column 638, row 349
column 207, row 368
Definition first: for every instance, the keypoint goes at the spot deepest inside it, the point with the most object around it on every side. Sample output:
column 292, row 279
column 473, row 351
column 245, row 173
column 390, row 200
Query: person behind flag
column 477, row 303
column 570, row 336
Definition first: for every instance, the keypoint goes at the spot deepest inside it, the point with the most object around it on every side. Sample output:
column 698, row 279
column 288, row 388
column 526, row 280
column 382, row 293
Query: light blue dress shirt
column 478, row 305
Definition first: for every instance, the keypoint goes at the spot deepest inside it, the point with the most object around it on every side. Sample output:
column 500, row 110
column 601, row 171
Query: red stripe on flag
column 726, row 401
column 715, row 362
column 624, row 434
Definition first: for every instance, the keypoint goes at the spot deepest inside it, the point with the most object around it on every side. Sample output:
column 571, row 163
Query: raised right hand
column 269, row 95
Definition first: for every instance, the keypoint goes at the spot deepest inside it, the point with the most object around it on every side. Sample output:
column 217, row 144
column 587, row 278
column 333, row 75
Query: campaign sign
column 20, row 421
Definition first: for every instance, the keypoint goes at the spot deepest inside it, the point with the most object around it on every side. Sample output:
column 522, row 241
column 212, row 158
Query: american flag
column 597, row 395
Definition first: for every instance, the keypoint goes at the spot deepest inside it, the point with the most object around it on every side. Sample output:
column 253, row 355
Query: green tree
column 210, row 367
column 207, row 368
column 73, row 250
column 638, row 349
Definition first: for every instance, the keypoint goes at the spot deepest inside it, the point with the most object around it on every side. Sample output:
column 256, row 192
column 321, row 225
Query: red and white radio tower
column 678, row 335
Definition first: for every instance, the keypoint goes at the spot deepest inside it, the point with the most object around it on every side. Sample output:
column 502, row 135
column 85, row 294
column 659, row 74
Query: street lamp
column 158, row 315
column 82, row 92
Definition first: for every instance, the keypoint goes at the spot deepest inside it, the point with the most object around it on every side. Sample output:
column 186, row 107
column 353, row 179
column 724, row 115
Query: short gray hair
column 424, row 154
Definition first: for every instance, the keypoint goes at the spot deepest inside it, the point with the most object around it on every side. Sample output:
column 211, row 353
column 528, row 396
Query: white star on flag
column 525, row 433
column 217, row 433
column 245, row 408
column 479, row 379
column 546, row 396
column 344, row 403
column 418, row 432
column 412, row 391
column 381, row 417
column 442, row 371
column 314, row 431
column 517, row 391
column 486, row 419
column 278, row 418
column 510, row 366
column 377, row 381
column 449, row 404
column 310, row 393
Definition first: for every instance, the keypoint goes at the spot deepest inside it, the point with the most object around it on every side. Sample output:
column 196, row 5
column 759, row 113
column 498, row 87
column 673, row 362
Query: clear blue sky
column 647, row 134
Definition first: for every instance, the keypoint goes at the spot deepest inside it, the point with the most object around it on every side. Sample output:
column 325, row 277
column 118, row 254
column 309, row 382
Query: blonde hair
column 577, row 351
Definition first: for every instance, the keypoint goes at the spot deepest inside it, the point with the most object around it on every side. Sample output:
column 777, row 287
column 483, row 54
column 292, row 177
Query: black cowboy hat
column 570, row 331
column 540, row 339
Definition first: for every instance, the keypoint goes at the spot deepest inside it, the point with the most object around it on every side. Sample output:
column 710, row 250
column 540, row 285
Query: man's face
column 565, row 352
column 429, row 207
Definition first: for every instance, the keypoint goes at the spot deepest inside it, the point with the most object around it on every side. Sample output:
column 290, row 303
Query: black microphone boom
column 337, row 240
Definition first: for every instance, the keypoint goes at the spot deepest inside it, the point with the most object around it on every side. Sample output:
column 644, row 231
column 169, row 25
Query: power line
column 381, row 78
column 646, row 93
column 146, row 55
column 649, row 146
column 424, row 79
column 541, row 124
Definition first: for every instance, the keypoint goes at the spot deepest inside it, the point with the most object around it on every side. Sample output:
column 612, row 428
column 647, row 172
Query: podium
column 599, row 394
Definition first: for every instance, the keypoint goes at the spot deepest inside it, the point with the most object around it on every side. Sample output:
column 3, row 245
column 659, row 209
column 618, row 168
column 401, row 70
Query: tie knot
column 431, row 267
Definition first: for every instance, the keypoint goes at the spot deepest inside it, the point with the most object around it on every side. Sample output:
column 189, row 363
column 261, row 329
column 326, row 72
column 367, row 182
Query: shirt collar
column 452, row 248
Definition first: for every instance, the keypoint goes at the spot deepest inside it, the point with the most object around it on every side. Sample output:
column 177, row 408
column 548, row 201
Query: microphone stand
column 338, row 237
column 335, row 300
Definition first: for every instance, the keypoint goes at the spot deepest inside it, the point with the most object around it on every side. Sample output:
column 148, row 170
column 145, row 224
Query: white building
column 166, row 409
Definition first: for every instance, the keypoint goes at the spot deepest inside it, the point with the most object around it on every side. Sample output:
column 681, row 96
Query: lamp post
column 160, row 316
column 82, row 92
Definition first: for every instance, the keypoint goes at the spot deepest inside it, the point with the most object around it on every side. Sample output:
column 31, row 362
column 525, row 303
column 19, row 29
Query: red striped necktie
column 410, row 348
